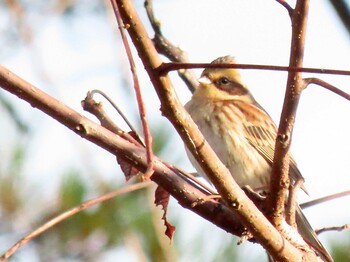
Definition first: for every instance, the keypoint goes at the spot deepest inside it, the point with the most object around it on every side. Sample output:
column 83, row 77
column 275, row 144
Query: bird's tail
column 309, row 235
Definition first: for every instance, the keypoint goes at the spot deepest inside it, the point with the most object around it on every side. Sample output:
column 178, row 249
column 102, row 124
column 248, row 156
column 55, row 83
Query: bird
column 242, row 134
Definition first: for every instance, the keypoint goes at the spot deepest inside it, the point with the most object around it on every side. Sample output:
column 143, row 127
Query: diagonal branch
column 325, row 199
column 97, row 110
column 185, row 193
column 286, row 6
column 141, row 105
column 69, row 213
column 317, row 81
column 336, row 228
column 172, row 52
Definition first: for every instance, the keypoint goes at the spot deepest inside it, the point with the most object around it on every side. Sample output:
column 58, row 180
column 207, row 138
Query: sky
column 68, row 58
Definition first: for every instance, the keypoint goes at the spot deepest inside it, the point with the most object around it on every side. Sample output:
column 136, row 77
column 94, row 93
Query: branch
column 166, row 48
column 236, row 200
column 63, row 216
column 316, row 81
column 96, row 109
column 325, row 229
column 185, row 193
column 286, row 6
column 325, row 199
column 140, row 103
column 103, row 117
column 280, row 168
column 292, row 203
column 167, row 67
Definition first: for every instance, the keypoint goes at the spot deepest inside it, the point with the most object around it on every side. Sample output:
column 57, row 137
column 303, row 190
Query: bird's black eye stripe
column 223, row 81
column 232, row 87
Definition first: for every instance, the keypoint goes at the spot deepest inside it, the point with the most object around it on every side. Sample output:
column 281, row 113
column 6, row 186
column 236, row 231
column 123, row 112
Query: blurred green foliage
column 341, row 251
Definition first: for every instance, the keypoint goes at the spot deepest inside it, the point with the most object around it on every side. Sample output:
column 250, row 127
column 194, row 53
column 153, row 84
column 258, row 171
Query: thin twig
column 292, row 202
column 152, row 18
column 141, row 105
column 317, row 81
column 287, row 6
column 325, row 199
column 63, row 216
column 120, row 112
column 96, row 109
column 191, row 178
column 172, row 52
column 167, row 67
column 325, row 229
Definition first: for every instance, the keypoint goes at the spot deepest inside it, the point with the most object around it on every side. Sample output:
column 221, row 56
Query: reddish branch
column 279, row 177
column 287, row 6
column 167, row 67
column 141, row 105
column 324, row 84
column 185, row 193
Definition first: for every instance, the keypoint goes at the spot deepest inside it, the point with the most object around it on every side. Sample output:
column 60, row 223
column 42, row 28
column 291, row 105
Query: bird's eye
column 224, row 81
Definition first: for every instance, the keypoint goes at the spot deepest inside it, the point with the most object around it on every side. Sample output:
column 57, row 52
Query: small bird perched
column 242, row 134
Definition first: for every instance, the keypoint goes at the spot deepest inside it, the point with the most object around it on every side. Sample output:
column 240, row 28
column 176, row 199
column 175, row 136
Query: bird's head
column 222, row 83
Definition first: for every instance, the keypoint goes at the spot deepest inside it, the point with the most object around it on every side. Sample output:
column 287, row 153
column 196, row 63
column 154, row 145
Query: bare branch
column 167, row 67
column 325, row 199
column 185, row 193
column 325, row 229
column 279, row 177
column 287, row 6
column 292, row 203
column 172, row 52
column 326, row 85
column 96, row 109
column 63, row 216
column 114, row 105
column 141, row 105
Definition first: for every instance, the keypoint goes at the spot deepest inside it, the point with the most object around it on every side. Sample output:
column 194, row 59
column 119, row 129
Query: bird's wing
column 262, row 136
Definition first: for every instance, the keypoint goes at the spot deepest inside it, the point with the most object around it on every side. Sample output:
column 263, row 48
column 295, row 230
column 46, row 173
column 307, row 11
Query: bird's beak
column 204, row 80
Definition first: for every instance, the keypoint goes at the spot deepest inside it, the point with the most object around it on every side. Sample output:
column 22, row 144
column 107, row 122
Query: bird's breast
column 221, row 124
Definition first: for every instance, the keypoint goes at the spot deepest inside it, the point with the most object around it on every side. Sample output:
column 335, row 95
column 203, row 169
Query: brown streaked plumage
column 241, row 133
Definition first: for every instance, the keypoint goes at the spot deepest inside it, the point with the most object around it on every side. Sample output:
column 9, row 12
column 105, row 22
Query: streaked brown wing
column 263, row 140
